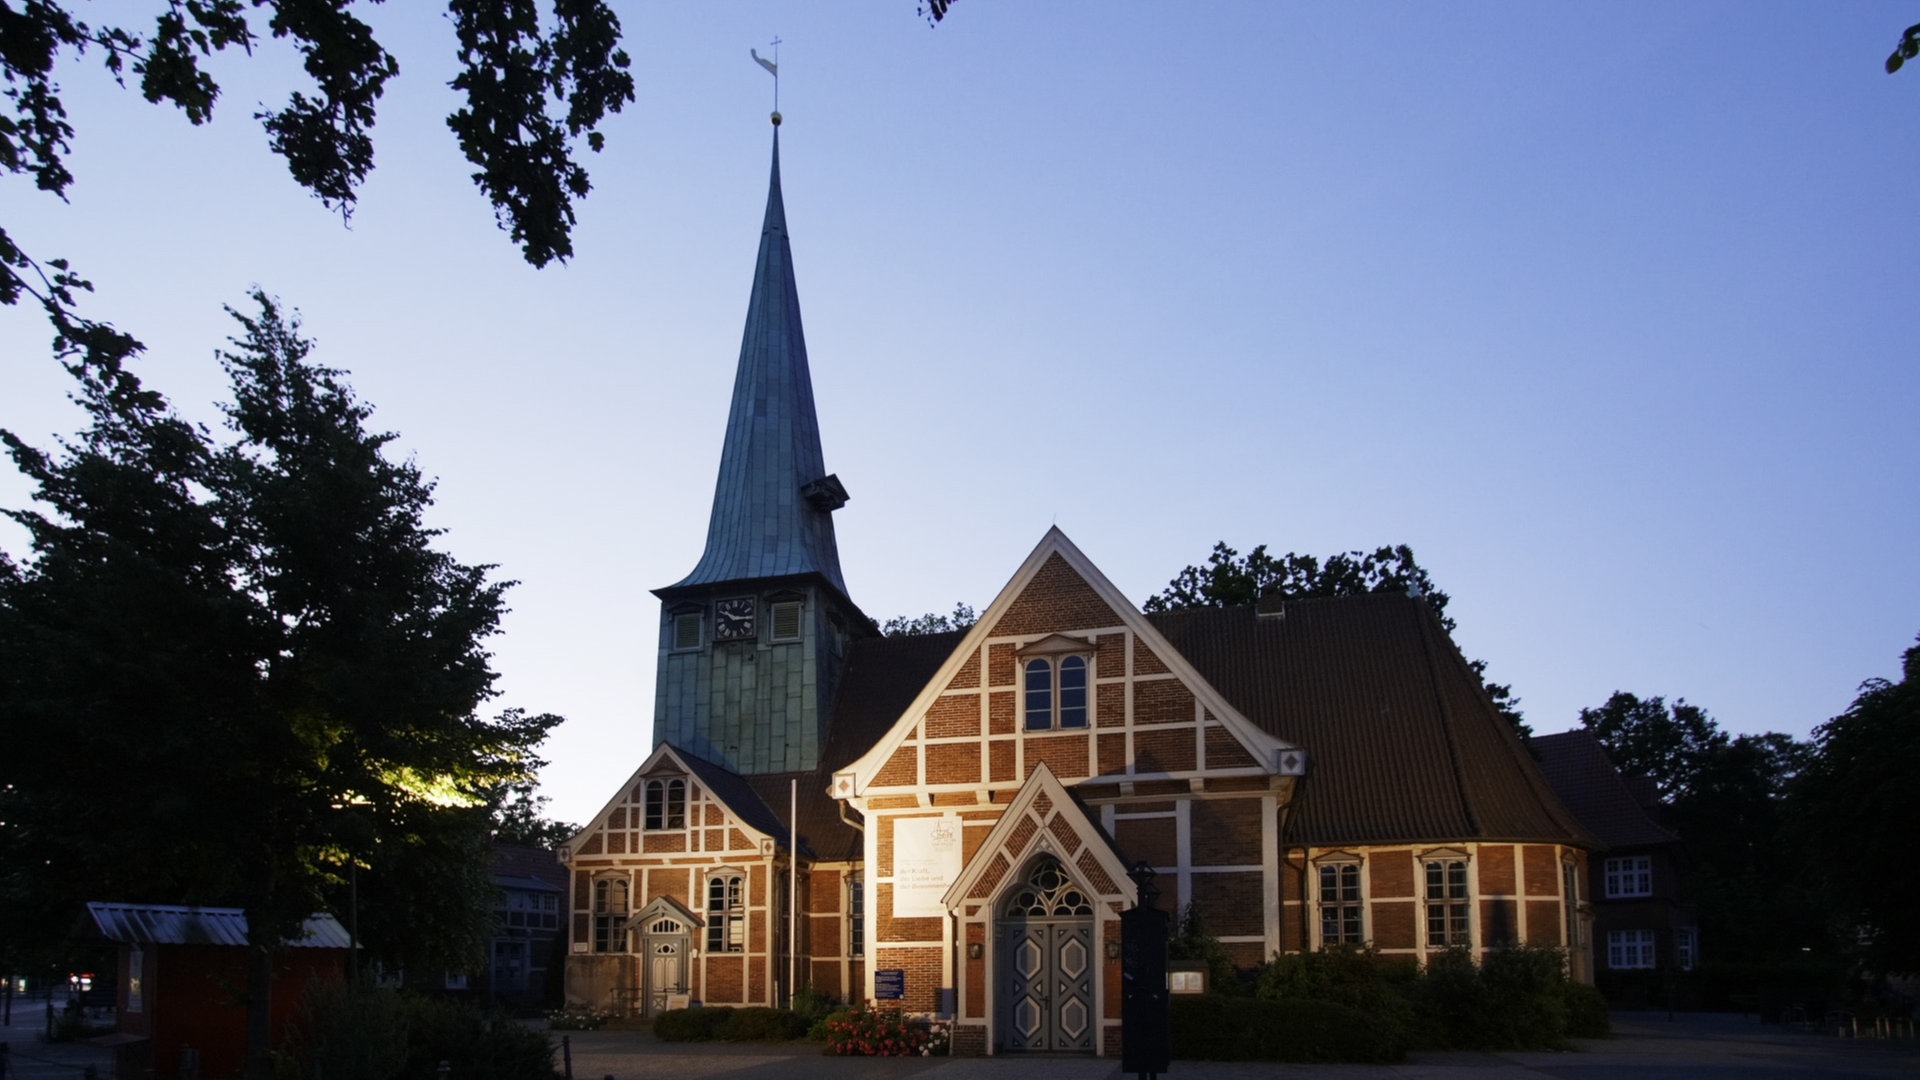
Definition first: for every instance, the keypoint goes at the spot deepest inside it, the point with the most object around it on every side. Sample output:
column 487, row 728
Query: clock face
column 734, row 619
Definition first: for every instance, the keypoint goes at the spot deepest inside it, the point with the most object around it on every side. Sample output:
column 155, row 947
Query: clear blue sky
column 1606, row 310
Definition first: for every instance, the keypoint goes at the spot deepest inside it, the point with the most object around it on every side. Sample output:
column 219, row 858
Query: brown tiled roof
column 526, row 862
column 880, row 681
column 1403, row 745
column 1577, row 767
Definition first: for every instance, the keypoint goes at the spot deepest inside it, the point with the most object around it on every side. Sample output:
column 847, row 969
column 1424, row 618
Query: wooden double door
column 1046, row 982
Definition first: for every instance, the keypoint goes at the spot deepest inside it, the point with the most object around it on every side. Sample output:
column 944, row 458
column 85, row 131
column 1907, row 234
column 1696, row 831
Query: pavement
column 1645, row 1046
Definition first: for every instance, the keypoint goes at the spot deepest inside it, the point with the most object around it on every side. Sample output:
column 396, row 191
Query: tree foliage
column 1228, row 580
column 933, row 622
column 1727, row 796
column 233, row 668
column 534, row 87
column 1855, row 802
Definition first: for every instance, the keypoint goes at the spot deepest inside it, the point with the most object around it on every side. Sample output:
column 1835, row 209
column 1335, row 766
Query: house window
column 1340, row 904
column 524, row 910
column 610, row 915
column 1630, row 949
column 1630, row 875
column 1570, row 894
column 1056, row 697
column 856, row 917
column 1686, row 947
column 686, row 630
column 786, row 620
column 667, row 804
column 1448, row 908
column 726, row 914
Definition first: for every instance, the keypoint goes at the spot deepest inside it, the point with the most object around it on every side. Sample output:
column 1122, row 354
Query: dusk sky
column 1606, row 310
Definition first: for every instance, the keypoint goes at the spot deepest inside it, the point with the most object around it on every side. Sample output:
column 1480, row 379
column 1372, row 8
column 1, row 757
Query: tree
column 520, row 817
column 1227, row 580
column 1646, row 738
column 1854, row 802
column 931, row 623
column 234, row 670
column 1726, row 797
column 534, row 89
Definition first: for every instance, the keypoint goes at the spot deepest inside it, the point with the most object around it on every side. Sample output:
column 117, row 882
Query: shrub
column 1586, row 1011
column 1359, row 978
column 374, row 1034
column 1451, row 1004
column 867, row 1031
column 810, row 1005
column 1529, row 1008
column 757, row 1023
column 1222, row 1028
column 820, row 1029
column 578, row 1018
column 699, row 1024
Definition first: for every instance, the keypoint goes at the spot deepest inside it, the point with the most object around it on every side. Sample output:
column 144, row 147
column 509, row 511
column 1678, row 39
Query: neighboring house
column 529, row 931
column 946, row 822
column 183, row 983
column 1640, row 920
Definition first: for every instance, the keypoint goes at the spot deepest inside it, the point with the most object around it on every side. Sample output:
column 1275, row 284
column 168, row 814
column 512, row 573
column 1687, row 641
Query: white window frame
column 672, row 804
column 1338, row 905
column 727, row 921
column 1686, row 947
column 1629, row 876
column 1631, row 950
column 1054, row 713
column 610, row 925
column 1452, row 903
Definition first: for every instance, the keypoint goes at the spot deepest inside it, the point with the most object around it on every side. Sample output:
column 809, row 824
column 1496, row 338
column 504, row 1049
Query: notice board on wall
column 926, row 860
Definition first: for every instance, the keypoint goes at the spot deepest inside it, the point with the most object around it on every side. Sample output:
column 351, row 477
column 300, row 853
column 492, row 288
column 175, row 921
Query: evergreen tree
column 234, row 670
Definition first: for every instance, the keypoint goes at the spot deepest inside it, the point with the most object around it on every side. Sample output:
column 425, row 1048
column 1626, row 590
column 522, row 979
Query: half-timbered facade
column 946, row 822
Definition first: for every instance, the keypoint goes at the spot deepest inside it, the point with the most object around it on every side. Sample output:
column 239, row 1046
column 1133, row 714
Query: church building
column 946, row 822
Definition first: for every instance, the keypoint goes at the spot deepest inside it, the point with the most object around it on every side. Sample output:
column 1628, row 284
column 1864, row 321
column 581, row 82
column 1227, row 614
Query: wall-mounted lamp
column 1113, row 950
column 974, row 950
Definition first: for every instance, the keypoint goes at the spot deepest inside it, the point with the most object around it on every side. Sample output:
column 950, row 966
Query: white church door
column 666, row 944
column 1046, row 963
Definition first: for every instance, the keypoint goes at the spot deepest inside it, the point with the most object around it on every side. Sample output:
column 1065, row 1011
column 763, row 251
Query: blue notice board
column 890, row 983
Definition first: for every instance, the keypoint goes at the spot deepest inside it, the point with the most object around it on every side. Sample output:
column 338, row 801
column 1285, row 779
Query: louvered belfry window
column 786, row 620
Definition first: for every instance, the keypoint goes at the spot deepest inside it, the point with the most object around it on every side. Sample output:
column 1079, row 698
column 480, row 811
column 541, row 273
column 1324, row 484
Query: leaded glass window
column 1047, row 893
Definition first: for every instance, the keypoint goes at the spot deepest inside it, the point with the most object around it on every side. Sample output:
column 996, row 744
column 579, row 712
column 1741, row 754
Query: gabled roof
column 1577, row 767
column 173, row 924
column 773, row 501
column 729, row 787
column 1263, row 746
column 1403, row 744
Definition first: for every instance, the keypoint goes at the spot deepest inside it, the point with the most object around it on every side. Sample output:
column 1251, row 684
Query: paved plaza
column 1646, row 1046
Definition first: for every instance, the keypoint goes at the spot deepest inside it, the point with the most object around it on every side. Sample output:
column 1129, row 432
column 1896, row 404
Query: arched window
column 1056, row 697
column 1047, row 893
column 667, row 804
column 726, row 913
column 1073, row 692
column 1039, row 695
column 610, row 915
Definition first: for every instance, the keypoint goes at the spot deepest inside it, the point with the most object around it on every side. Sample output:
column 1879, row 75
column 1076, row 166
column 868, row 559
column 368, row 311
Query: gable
column 711, row 818
column 1043, row 818
column 1061, row 670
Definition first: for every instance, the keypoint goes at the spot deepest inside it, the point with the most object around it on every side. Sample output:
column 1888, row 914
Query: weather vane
column 773, row 69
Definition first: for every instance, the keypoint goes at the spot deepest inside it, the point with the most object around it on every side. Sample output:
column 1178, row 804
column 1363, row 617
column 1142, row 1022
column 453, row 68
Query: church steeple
column 773, row 502
column 753, row 641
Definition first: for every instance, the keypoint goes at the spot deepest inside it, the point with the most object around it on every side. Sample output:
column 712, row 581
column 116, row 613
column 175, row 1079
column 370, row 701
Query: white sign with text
column 926, row 859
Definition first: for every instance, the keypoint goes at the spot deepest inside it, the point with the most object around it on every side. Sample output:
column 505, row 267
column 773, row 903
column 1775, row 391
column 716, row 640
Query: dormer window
column 1055, row 681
